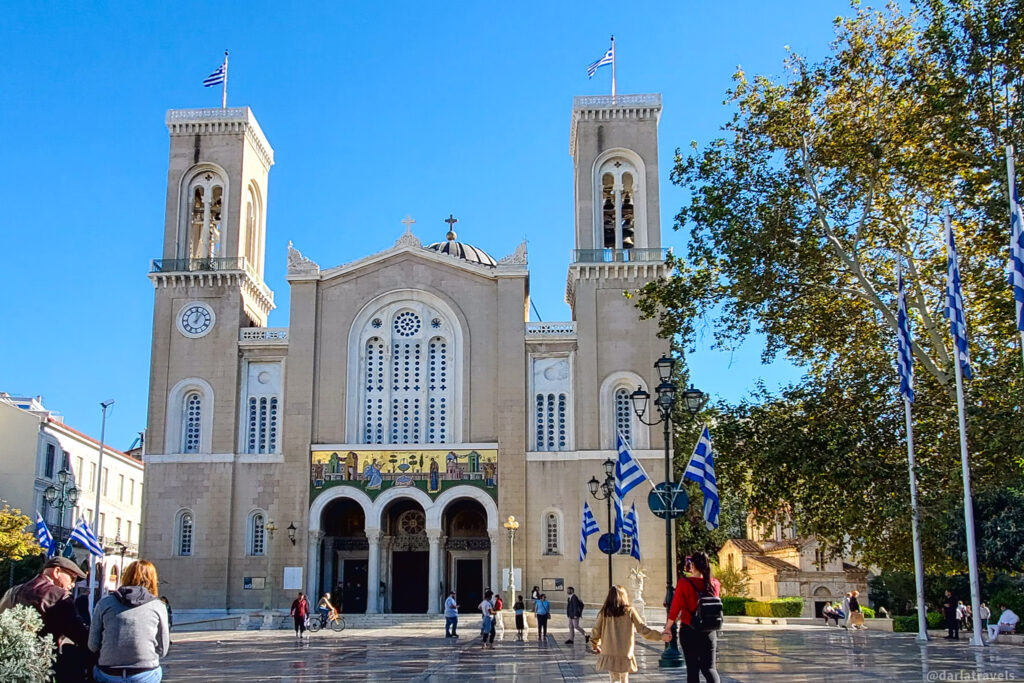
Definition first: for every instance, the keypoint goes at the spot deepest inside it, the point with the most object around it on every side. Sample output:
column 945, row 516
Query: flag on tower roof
column 217, row 77
column 608, row 58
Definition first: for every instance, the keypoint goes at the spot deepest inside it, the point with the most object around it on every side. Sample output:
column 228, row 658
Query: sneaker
column 587, row 636
column 570, row 642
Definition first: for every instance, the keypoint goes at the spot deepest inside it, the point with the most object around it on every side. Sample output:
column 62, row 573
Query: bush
column 867, row 612
column 24, row 656
column 733, row 606
column 781, row 608
column 908, row 624
column 935, row 620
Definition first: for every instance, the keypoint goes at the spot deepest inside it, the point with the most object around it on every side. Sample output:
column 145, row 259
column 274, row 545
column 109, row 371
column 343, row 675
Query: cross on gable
column 451, row 221
column 408, row 221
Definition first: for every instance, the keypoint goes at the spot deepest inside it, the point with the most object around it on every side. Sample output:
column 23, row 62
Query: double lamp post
column 64, row 497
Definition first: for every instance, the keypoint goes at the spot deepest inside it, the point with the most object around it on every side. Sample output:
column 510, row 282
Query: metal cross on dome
column 451, row 221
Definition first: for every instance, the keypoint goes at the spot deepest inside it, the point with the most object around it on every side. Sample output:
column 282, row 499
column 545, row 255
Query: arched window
column 205, row 203
column 191, row 439
column 257, row 533
column 261, row 408
column 550, row 415
column 184, row 533
column 262, row 419
column 551, row 535
column 254, row 241
column 619, row 209
column 624, row 415
column 407, row 377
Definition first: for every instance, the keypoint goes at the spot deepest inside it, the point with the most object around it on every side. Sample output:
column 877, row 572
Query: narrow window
column 551, row 534
column 540, row 422
column 120, row 488
column 623, row 416
column 51, row 457
column 258, row 534
column 193, row 418
column 561, row 421
column 185, row 534
column 106, row 476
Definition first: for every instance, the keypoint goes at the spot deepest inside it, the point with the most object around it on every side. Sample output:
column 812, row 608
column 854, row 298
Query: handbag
column 857, row 619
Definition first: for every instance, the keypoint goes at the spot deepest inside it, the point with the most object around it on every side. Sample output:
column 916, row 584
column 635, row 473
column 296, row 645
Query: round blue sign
column 668, row 500
column 609, row 544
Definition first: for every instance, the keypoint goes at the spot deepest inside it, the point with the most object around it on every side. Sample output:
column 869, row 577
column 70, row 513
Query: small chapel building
column 373, row 446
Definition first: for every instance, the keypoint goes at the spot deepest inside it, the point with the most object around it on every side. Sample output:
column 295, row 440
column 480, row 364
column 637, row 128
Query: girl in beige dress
column 612, row 636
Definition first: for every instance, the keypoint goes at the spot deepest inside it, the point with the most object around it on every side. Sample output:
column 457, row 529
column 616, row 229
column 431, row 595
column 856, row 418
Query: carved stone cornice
column 256, row 291
column 299, row 264
column 238, row 120
column 516, row 258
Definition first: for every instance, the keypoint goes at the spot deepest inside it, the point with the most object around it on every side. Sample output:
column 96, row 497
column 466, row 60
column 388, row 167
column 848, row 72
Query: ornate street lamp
column 61, row 498
column 665, row 402
column 291, row 532
column 511, row 525
column 605, row 490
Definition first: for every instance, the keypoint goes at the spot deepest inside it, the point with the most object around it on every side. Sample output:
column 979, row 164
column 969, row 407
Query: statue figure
column 637, row 576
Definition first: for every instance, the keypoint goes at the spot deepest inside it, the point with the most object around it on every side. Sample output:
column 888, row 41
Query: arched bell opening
column 344, row 555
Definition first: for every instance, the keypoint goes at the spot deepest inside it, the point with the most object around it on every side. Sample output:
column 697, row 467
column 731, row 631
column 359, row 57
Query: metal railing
column 619, row 255
column 199, row 265
column 263, row 334
column 590, row 101
column 541, row 329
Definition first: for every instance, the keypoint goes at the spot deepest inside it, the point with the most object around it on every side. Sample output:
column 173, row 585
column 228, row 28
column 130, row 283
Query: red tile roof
column 106, row 447
column 774, row 563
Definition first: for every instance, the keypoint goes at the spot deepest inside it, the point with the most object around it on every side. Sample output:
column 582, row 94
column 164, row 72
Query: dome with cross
column 453, row 247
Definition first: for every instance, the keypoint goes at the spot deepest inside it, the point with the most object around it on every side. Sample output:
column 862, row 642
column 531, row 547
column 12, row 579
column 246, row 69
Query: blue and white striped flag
column 629, row 474
column 904, row 352
column 217, row 77
column 588, row 528
column 701, row 469
column 1017, row 255
column 608, row 58
column 43, row 535
column 84, row 535
column 631, row 529
column 955, row 303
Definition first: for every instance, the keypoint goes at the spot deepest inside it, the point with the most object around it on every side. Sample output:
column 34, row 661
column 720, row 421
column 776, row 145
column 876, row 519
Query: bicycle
column 336, row 622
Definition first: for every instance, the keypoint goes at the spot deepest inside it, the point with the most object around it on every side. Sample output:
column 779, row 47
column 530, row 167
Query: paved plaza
column 747, row 654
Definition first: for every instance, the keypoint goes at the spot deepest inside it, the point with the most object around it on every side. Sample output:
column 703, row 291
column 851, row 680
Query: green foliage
column 15, row 541
column 24, row 656
column 782, row 607
column 821, row 183
column 735, row 582
column 733, row 605
column 23, row 570
column 867, row 612
column 908, row 623
column 999, row 525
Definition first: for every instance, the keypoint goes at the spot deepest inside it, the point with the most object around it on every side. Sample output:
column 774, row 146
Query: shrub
column 24, row 656
column 935, row 620
column 908, row 623
column 733, row 606
column 757, row 608
column 867, row 612
column 783, row 607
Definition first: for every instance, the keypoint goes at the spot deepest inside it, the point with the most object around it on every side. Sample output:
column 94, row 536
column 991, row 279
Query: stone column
column 433, row 603
column 495, row 544
column 312, row 570
column 373, row 571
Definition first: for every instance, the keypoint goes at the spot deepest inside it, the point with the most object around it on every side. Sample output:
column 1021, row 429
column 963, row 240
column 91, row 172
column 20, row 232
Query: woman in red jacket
column 300, row 611
column 698, row 646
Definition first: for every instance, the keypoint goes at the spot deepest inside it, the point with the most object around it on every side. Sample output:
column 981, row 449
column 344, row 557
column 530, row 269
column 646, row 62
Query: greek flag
column 904, row 357
column 955, row 303
column 588, row 528
column 702, row 470
column 608, row 58
column 628, row 475
column 84, row 535
column 1017, row 256
column 43, row 535
column 631, row 529
column 217, row 77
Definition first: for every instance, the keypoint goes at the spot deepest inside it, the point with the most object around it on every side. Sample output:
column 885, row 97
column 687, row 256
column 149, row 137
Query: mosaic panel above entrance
column 432, row 471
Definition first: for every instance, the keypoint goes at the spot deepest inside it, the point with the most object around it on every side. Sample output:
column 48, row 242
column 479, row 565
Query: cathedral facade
column 375, row 446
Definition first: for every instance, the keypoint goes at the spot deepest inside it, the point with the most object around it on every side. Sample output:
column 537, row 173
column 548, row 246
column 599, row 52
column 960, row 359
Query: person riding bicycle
column 326, row 609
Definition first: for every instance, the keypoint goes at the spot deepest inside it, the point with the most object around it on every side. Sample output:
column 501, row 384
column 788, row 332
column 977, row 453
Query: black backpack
column 708, row 615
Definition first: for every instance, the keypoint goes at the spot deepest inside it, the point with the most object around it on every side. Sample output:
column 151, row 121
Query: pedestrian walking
column 984, row 613
column 699, row 645
column 949, row 613
column 49, row 592
column 486, row 608
column 542, row 610
column 846, row 610
column 518, row 607
column 499, row 620
column 300, row 612
column 451, row 617
column 129, row 630
column 612, row 637
column 856, row 616
column 574, row 610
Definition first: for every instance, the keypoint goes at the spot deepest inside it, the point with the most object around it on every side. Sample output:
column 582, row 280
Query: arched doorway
column 404, row 543
column 466, row 544
column 344, row 555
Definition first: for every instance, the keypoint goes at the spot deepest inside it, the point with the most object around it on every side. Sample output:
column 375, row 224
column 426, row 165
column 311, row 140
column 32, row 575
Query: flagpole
column 915, row 517
column 1011, row 182
column 96, row 514
column 224, row 85
column 613, row 69
column 972, row 550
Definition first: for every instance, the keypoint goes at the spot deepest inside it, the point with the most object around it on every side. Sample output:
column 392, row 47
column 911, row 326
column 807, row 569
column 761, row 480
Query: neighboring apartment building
column 37, row 445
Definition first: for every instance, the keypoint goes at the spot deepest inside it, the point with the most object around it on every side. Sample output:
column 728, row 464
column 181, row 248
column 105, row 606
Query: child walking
column 612, row 636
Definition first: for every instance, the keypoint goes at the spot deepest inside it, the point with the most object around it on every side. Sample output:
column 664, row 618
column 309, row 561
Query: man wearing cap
column 49, row 593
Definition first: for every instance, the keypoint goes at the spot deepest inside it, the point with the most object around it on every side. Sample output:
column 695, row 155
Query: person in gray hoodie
column 129, row 629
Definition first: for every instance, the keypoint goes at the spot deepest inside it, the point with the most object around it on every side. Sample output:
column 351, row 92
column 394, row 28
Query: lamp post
column 291, row 532
column 665, row 402
column 605, row 490
column 121, row 548
column 96, row 514
column 511, row 525
column 62, row 498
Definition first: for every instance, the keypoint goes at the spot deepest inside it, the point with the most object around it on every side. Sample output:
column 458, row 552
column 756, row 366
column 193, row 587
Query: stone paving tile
column 746, row 654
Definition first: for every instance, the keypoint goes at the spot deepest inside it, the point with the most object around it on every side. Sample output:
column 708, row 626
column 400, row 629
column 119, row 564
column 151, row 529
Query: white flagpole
column 613, row 69
column 224, row 85
column 1011, row 181
column 972, row 549
column 922, row 609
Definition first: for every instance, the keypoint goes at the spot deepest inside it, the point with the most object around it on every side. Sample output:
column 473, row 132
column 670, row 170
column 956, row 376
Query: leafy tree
column 735, row 582
column 24, row 656
column 15, row 541
column 823, row 182
column 999, row 522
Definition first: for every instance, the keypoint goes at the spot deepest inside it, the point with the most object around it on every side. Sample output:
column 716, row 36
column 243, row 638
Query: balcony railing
column 263, row 334
column 548, row 330
column 199, row 265
column 619, row 255
column 591, row 101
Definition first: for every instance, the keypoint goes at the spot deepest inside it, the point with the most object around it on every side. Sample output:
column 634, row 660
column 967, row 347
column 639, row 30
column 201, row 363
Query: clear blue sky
column 374, row 110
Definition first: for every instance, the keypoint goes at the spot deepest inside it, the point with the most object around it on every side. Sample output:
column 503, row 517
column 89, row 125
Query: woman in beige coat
column 612, row 636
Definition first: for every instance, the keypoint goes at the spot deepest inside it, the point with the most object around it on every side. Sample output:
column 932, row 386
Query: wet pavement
column 747, row 653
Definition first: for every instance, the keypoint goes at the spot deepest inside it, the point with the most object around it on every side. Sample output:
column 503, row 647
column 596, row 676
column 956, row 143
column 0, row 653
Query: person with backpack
column 612, row 637
column 574, row 610
column 697, row 606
